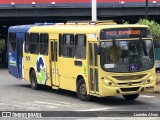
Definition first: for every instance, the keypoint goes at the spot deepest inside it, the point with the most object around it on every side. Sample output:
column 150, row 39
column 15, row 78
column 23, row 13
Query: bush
column 154, row 26
column 2, row 45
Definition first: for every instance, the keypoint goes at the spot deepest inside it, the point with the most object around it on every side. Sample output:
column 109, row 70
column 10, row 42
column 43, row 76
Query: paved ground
column 17, row 95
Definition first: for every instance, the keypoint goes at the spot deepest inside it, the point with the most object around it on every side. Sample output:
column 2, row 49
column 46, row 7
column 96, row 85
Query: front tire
column 82, row 91
column 33, row 80
column 131, row 97
column 157, row 70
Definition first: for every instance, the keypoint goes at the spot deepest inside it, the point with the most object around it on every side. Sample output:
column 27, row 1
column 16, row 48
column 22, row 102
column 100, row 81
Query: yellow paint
column 65, row 72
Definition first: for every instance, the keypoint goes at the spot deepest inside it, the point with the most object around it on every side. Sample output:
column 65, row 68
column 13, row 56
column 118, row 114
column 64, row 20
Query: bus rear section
column 16, row 37
column 15, row 53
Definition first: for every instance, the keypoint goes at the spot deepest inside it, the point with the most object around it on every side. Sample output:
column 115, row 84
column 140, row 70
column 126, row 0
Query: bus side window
column 44, row 44
column 12, row 41
column 34, row 43
column 60, row 44
column 27, row 43
column 80, row 49
column 68, row 45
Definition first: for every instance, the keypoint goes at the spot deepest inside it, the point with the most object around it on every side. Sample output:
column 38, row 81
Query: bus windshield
column 127, row 55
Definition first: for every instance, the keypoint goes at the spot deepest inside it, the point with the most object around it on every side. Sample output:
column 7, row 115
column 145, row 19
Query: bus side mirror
column 156, row 44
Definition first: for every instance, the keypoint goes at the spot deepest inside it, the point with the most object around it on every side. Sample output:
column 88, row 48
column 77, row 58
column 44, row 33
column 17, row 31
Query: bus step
column 55, row 87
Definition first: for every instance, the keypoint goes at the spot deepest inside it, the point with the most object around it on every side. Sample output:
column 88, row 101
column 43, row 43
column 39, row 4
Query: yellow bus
column 91, row 58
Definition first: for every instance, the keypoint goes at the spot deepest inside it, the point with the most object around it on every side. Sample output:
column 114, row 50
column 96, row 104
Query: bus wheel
column 131, row 97
column 82, row 91
column 157, row 70
column 33, row 81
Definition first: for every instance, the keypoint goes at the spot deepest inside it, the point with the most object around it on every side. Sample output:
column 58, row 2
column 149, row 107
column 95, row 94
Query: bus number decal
column 27, row 58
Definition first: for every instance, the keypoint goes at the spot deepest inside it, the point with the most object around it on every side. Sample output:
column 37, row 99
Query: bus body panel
column 16, row 69
column 66, row 70
column 12, row 64
column 20, row 39
column 118, row 85
column 40, row 64
column 15, row 57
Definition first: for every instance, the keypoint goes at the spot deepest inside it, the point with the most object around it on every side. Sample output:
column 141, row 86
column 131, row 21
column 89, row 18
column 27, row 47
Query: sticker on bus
column 133, row 67
column 12, row 60
column 41, row 70
column 109, row 65
column 92, row 35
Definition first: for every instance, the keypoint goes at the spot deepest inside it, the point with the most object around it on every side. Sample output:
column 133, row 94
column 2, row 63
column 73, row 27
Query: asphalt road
column 17, row 95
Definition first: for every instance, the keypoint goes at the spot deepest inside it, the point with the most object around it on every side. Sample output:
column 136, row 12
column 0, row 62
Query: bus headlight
column 150, row 79
column 109, row 83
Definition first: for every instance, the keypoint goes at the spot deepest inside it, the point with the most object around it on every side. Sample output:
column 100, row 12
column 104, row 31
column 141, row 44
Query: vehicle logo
column 129, row 83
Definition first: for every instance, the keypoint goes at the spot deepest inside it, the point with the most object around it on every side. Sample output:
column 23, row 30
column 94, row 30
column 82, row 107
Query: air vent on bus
column 105, row 22
column 126, row 83
column 131, row 77
column 129, row 89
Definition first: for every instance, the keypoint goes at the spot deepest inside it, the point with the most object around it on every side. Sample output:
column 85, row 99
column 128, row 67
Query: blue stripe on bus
column 15, row 62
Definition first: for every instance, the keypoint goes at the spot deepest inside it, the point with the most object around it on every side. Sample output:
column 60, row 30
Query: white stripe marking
column 47, row 103
column 94, row 109
column 148, row 96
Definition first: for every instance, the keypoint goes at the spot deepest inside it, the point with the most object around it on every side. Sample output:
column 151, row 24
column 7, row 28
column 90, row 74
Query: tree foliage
column 2, row 44
column 154, row 26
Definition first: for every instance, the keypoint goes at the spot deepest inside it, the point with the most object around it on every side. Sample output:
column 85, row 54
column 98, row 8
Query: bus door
column 93, row 67
column 19, row 39
column 54, row 64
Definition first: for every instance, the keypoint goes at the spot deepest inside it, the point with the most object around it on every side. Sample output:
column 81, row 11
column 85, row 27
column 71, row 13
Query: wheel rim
column 83, row 90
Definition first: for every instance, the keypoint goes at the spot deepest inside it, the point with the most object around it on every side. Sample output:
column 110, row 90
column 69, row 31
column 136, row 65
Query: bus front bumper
column 126, row 90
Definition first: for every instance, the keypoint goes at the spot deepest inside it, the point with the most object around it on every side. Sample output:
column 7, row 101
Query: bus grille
column 132, row 77
column 129, row 89
column 127, row 83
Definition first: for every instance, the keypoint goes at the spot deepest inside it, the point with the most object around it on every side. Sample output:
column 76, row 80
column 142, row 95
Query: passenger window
column 80, row 49
column 34, row 43
column 68, row 45
column 44, row 44
column 12, row 41
column 27, row 43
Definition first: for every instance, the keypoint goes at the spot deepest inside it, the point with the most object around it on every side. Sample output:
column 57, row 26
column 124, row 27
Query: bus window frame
column 27, row 41
column 43, row 43
column 11, row 41
column 85, row 44
column 63, row 42
column 35, row 43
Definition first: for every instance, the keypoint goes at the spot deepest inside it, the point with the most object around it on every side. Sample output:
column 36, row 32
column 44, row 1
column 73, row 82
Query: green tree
column 2, row 44
column 154, row 26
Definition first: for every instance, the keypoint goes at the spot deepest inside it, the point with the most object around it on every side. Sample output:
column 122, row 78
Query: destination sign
column 124, row 33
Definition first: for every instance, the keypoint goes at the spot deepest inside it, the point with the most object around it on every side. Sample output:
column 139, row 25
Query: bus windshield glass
column 127, row 55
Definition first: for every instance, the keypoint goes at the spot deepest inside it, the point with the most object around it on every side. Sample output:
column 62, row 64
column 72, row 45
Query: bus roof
column 20, row 28
column 25, row 28
column 80, row 27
